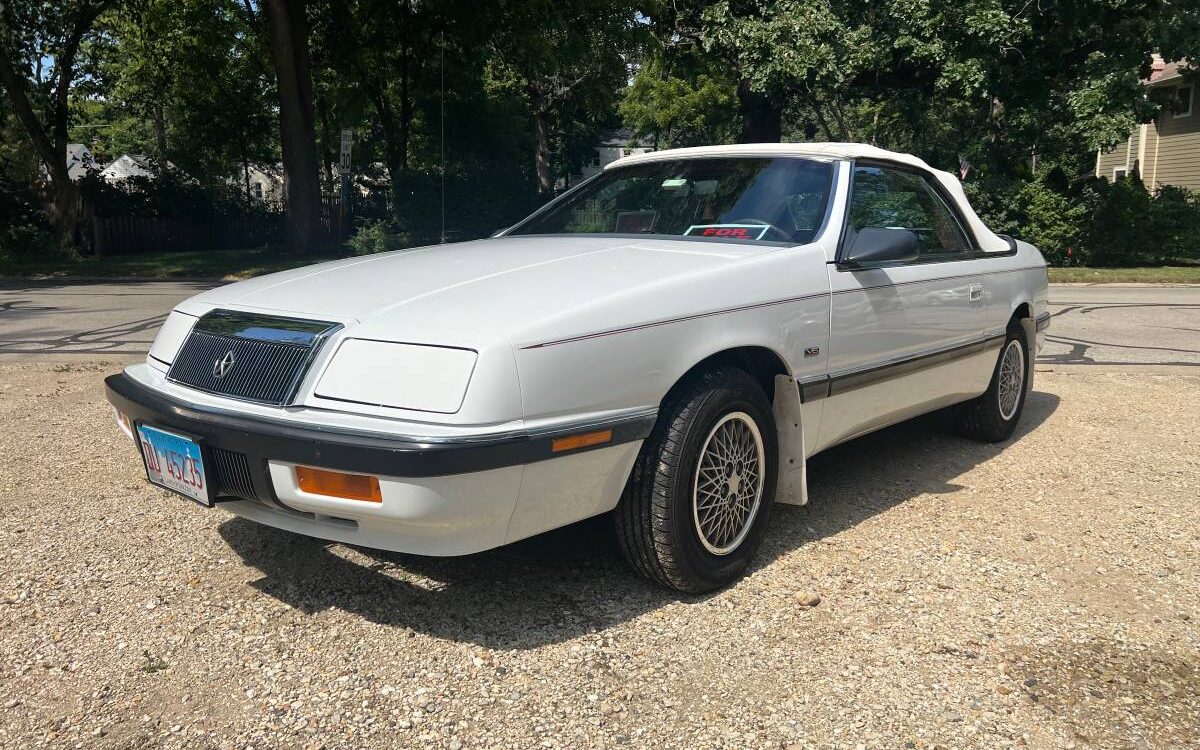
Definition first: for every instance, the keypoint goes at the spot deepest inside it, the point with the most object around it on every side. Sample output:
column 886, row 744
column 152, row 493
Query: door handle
column 975, row 292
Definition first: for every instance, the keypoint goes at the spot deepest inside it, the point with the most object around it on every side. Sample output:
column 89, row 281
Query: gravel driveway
column 1044, row 592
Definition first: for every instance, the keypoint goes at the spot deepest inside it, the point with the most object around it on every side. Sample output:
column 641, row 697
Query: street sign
column 347, row 146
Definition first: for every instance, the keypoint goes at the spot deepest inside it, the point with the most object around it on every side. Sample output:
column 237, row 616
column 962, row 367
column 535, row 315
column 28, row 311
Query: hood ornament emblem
column 223, row 365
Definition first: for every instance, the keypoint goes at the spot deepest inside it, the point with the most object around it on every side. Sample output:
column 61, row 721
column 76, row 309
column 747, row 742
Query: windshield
column 760, row 199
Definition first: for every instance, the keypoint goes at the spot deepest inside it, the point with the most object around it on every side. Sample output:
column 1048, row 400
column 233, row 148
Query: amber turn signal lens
column 336, row 484
column 583, row 440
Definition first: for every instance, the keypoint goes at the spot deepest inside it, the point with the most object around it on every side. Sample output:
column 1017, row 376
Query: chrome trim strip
column 279, row 329
column 859, row 377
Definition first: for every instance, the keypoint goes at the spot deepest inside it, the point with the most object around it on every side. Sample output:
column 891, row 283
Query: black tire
column 657, row 520
column 983, row 418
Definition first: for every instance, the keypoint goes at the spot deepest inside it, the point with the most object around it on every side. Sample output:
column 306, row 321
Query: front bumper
column 442, row 496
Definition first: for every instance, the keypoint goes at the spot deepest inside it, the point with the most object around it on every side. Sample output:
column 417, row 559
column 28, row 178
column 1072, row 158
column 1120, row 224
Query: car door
column 897, row 328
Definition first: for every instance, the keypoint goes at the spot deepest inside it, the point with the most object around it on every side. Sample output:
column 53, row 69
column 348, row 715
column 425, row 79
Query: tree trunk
column 160, row 130
column 65, row 214
column 293, row 71
column 762, row 118
column 393, row 140
column 329, row 150
column 541, row 153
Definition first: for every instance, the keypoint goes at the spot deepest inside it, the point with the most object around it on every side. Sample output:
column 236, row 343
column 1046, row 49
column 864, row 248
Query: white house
column 612, row 146
column 129, row 165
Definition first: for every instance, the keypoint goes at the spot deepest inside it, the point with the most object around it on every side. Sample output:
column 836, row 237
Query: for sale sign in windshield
column 728, row 231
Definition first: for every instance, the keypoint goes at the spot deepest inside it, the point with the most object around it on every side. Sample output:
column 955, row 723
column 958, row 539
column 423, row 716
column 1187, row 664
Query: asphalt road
column 1123, row 326
column 1103, row 325
column 79, row 321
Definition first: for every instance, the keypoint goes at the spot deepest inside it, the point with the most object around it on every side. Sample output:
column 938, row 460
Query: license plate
column 175, row 463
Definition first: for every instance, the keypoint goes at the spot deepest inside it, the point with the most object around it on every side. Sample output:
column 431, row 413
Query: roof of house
column 623, row 137
column 1162, row 71
column 128, row 165
column 133, row 165
column 832, row 152
column 79, row 160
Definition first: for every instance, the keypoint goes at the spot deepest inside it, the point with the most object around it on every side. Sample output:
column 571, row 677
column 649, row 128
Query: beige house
column 1166, row 150
column 265, row 183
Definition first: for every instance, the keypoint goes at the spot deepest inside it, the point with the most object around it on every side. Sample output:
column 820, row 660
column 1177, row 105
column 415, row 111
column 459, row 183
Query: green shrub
column 1052, row 220
column 1128, row 226
column 375, row 236
column 1177, row 222
column 1103, row 223
column 24, row 240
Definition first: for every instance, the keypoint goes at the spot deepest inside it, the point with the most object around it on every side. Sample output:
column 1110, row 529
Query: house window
column 1119, row 173
column 257, row 189
column 1182, row 104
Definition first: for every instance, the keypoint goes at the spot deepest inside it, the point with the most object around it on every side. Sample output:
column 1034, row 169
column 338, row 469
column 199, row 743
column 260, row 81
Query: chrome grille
column 248, row 357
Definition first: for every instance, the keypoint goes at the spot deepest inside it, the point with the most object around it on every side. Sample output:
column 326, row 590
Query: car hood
column 506, row 287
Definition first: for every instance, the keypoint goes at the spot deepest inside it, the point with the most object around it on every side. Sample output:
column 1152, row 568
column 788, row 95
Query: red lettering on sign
column 739, row 232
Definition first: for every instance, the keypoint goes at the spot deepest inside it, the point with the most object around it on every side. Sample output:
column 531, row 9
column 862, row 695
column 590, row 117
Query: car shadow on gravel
column 573, row 581
column 551, row 588
column 856, row 480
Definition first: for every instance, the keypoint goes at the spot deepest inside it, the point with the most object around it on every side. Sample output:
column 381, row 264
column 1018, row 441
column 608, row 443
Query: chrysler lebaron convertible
column 667, row 343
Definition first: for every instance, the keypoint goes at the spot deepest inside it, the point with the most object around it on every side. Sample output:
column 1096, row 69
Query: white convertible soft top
column 989, row 241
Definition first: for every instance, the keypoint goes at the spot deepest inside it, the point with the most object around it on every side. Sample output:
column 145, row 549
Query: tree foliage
column 39, row 51
column 495, row 103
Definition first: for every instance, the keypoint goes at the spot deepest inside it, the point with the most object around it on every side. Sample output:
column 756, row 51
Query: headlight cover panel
column 171, row 336
column 417, row 377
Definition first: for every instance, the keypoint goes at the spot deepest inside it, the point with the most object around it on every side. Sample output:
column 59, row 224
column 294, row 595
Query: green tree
column 32, row 35
column 681, row 98
column 999, row 83
column 372, row 59
column 183, row 80
column 555, row 51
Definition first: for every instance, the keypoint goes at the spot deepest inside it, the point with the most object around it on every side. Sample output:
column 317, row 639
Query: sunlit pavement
column 1123, row 327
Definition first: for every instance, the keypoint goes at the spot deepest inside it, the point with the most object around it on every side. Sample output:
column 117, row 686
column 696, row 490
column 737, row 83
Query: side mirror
column 880, row 245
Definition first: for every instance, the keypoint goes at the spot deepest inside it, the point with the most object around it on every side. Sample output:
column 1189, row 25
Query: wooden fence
column 142, row 234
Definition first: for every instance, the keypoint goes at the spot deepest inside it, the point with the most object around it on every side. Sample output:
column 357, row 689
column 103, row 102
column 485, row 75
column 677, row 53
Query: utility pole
column 344, row 174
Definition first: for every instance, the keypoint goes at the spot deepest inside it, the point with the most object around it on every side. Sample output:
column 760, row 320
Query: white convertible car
column 668, row 342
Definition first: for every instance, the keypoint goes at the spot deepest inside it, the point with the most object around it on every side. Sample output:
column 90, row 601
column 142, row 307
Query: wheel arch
column 761, row 362
column 1023, row 309
column 771, row 371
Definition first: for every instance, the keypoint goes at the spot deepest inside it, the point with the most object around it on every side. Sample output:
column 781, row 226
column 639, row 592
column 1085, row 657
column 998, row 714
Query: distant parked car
column 668, row 342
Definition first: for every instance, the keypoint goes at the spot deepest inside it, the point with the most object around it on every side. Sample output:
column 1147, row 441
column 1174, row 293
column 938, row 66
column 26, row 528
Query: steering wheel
column 784, row 236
